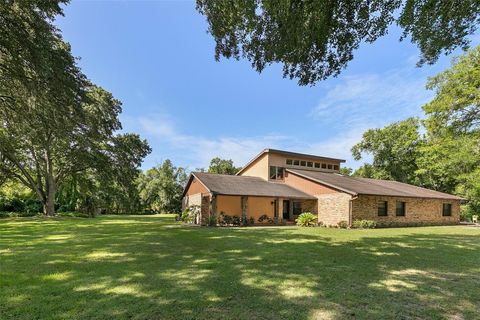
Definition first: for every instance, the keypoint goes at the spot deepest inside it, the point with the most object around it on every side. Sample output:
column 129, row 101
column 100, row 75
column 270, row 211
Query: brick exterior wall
column 333, row 208
column 419, row 211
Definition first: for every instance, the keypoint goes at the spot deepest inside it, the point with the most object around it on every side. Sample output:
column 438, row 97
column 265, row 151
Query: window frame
column 317, row 165
column 296, row 162
column 384, row 212
column 329, row 166
column 303, row 163
column 403, row 208
column 449, row 211
column 310, row 164
column 278, row 175
column 289, row 162
column 294, row 204
column 335, row 167
column 324, row 166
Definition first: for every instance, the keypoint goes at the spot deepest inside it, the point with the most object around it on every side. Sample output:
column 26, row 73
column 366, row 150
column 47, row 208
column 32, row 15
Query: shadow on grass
column 150, row 267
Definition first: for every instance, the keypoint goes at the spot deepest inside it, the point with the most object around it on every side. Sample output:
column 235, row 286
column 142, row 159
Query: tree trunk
column 49, row 206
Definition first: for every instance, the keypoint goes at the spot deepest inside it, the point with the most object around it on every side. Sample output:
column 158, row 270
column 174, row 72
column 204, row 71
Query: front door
column 286, row 209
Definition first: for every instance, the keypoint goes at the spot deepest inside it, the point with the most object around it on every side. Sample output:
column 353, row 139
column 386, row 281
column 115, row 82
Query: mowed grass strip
column 151, row 267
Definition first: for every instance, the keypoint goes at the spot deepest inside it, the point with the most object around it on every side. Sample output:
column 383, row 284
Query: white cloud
column 369, row 100
column 198, row 150
column 363, row 101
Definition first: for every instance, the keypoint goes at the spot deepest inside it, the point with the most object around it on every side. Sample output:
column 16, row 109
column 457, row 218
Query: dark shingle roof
column 247, row 186
column 357, row 185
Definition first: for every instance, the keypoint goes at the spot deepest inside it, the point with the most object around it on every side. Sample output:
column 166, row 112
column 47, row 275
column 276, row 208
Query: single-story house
column 283, row 184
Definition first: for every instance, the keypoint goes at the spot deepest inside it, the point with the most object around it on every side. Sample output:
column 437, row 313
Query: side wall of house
column 332, row 206
column 419, row 211
column 259, row 168
column 229, row 205
column 256, row 206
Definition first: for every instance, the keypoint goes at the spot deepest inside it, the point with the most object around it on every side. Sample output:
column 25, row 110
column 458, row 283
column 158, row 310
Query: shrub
column 343, row 224
column 364, row 224
column 263, row 218
column 251, row 221
column 185, row 214
column 210, row 221
column 236, row 221
column 226, row 219
column 306, row 219
column 73, row 214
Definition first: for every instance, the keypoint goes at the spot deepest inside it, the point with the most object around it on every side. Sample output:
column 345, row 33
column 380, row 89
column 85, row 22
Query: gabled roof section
column 289, row 154
column 246, row 186
column 365, row 186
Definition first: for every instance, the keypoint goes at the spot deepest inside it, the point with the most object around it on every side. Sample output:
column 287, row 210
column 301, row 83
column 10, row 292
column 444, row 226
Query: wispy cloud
column 372, row 99
column 353, row 105
column 363, row 101
column 199, row 150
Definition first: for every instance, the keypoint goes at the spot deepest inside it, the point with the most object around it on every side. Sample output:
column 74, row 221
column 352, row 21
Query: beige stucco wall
column 307, row 186
column 418, row 211
column 333, row 208
column 230, row 205
column 196, row 187
column 259, row 168
column 258, row 206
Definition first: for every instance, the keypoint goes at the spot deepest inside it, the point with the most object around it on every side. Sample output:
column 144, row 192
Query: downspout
column 350, row 208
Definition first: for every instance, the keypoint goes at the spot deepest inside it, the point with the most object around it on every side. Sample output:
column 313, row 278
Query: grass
column 150, row 267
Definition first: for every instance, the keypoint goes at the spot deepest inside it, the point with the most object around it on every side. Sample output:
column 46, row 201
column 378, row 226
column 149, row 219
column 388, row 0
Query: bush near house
column 364, row 224
column 306, row 219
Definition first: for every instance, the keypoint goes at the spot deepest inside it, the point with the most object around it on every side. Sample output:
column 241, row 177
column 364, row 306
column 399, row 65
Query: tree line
column 441, row 150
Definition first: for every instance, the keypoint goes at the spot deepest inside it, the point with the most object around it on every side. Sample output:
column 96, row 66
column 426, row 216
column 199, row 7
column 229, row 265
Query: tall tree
column 222, row 166
column 316, row 39
column 161, row 187
column 394, row 149
column 450, row 160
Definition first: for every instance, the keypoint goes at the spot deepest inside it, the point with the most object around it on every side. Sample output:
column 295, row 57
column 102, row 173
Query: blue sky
column 157, row 58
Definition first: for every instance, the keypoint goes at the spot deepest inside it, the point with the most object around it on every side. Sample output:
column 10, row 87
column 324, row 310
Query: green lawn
column 150, row 267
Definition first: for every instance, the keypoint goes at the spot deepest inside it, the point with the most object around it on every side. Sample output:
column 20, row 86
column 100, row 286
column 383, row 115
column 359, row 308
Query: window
column 335, row 167
column 330, row 167
column 324, row 166
column 276, row 173
column 447, row 209
column 296, row 162
column 297, row 208
column 309, row 164
column 317, row 165
column 400, row 209
column 289, row 162
column 382, row 208
column 303, row 163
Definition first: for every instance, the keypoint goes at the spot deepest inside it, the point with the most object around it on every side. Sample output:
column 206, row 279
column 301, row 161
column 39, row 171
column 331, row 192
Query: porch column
column 244, row 202
column 213, row 205
column 280, row 209
column 290, row 211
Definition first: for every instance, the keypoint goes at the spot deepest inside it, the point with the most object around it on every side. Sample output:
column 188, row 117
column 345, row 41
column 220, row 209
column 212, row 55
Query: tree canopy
column 314, row 40
column 54, row 123
column 222, row 166
column 161, row 187
column 441, row 152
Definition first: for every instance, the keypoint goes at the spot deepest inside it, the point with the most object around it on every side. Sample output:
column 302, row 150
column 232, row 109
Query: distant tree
column 450, row 160
column 160, row 188
column 42, row 144
column 394, row 149
column 367, row 171
column 316, row 39
column 222, row 166
column 346, row 171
